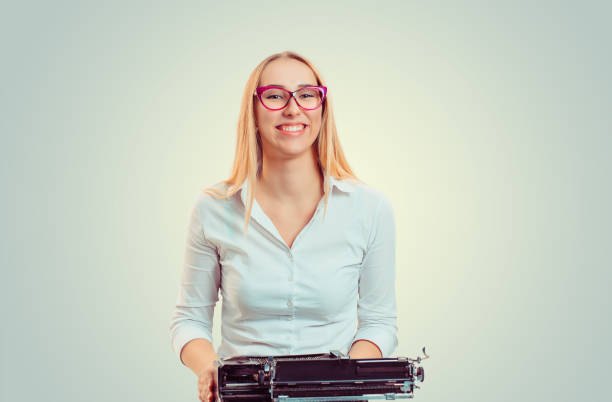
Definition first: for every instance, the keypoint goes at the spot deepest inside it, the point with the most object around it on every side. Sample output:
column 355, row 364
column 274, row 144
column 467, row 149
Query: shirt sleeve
column 199, row 288
column 376, row 309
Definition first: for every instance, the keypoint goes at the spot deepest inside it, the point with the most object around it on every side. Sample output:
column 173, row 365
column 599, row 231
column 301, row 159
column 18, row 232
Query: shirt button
column 289, row 303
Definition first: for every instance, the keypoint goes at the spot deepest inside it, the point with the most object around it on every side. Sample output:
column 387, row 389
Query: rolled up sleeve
column 199, row 288
column 376, row 309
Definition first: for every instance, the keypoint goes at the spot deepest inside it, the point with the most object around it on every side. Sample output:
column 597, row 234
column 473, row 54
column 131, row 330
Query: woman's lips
column 291, row 133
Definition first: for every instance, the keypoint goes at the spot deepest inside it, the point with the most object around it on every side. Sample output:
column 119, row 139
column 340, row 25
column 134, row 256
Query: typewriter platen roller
column 318, row 377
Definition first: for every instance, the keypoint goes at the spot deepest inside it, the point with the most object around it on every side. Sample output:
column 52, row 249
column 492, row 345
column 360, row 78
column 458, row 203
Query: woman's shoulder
column 213, row 196
column 378, row 205
column 364, row 192
column 213, row 208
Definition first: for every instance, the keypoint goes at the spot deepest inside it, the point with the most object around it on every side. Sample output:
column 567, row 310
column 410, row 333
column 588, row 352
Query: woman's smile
column 292, row 130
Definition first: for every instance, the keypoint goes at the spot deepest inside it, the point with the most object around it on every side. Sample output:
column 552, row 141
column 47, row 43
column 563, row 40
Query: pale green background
column 487, row 125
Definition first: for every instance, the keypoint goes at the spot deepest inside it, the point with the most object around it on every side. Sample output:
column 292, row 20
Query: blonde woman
column 301, row 250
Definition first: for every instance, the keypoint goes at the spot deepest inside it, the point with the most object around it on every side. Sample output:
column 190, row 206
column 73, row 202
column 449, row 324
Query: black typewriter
column 317, row 377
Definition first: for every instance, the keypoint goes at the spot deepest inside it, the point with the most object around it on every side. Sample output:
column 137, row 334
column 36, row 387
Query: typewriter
column 317, row 377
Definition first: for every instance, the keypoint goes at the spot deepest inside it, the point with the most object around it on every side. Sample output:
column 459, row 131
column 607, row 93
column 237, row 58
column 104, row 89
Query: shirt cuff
column 186, row 332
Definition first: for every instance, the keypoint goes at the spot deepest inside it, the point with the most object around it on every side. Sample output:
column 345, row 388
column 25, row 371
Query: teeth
column 292, row 128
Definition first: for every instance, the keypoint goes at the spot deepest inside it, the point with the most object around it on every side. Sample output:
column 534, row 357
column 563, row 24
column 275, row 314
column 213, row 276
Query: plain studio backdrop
column 487, row 124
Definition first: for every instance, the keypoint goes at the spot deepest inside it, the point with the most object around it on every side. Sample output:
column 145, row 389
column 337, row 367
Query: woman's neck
column 291, row 180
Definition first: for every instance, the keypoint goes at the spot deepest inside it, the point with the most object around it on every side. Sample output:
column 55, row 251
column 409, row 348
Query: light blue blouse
column 335, row 285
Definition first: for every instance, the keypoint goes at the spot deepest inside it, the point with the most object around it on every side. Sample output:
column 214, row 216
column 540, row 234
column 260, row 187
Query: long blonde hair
column 248, row 155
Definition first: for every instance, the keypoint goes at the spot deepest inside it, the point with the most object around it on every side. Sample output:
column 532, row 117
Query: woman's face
column 277, row 142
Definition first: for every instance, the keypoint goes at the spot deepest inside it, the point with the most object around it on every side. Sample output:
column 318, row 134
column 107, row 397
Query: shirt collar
column 243, row 190
column 345, row 186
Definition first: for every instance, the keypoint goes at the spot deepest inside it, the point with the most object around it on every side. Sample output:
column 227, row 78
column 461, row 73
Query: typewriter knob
column 420, row 374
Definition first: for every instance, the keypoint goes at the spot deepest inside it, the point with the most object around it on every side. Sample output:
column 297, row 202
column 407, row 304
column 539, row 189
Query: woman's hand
column 207, row 383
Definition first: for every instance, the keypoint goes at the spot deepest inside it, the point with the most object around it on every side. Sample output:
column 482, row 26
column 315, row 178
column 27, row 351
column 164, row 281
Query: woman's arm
column 199, row 287
column 376, row 308
column 364, row 349
column 198, row 354
column 191, row 326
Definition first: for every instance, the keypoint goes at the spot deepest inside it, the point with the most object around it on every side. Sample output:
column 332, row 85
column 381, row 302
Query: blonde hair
column 248, row 155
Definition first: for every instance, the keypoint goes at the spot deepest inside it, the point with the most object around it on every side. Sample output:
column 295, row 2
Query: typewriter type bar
column 322, row 377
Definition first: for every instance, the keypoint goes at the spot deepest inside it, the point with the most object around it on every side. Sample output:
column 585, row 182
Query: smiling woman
column 302, row 251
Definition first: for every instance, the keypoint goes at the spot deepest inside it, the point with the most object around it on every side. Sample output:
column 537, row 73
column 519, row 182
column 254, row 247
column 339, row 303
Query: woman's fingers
column 207, row 386
column 206, row 396
column 203, row 391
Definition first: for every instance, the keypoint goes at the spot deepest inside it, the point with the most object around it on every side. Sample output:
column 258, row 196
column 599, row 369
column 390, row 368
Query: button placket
column 291, row 266
column 291, row 283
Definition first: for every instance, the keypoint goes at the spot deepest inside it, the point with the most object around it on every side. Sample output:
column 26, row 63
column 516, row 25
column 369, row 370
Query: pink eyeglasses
column 273, row 97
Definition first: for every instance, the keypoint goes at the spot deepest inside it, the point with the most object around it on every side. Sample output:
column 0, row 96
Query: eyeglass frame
column 260, row 90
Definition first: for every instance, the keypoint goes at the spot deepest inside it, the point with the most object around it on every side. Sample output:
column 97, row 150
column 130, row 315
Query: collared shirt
column 333, row 286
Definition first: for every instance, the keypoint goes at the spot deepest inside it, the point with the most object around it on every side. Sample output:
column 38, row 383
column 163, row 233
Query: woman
column 302, row 251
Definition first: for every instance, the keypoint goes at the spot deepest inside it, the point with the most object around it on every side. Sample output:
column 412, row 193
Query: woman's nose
column 292, row 108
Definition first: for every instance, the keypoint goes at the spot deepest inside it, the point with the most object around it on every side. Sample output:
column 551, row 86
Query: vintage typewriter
column 317, row 377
